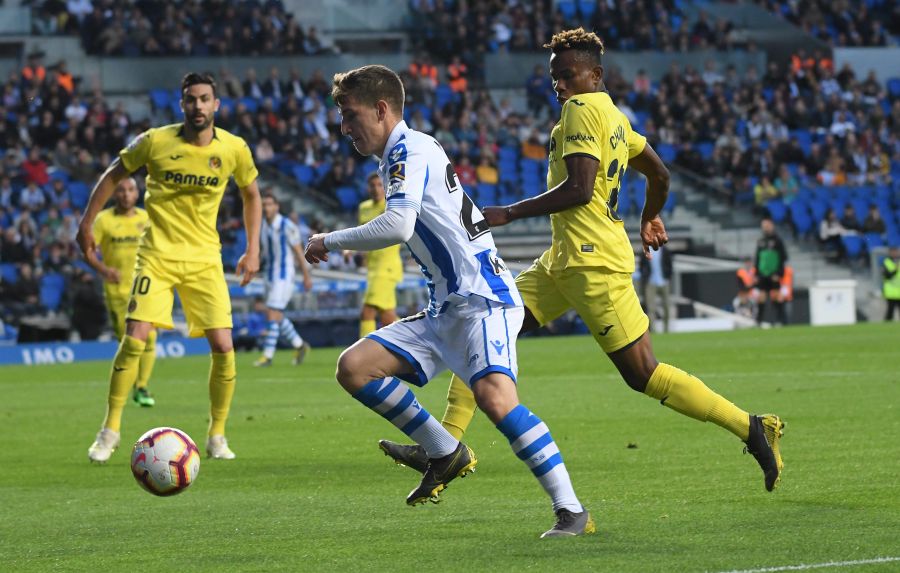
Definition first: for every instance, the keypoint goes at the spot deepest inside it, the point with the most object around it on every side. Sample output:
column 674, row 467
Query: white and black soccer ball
column 165, row 461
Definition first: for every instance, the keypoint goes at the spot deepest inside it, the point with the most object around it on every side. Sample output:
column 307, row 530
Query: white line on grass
column 805, row 566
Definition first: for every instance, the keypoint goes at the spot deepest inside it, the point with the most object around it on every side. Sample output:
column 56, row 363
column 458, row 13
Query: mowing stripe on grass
column 804, row 566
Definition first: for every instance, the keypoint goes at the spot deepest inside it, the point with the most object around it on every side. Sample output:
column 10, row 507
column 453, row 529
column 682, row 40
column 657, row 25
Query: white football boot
column 217, row 448
column 106, row 443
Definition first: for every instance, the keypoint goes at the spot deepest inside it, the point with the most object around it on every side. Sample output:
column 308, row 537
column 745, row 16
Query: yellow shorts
column 201, row 286
column 381, row 292
column 605, row 301
column 117, row 307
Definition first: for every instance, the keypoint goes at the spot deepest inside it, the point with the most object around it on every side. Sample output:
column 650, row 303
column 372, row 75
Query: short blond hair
column 368, row 85
column 577, row 39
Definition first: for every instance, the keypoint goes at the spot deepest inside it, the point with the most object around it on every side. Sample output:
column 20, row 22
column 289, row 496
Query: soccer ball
column 165, row 461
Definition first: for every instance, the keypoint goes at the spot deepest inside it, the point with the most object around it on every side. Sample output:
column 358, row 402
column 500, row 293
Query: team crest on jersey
column 397, row 154
column 215, row 162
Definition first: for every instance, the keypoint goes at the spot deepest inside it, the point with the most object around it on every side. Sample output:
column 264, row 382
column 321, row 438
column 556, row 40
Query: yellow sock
column 121, row 379
column 460, row 408
column 148, row 359
column 222, row 374
column 365, row 327
column 690, row 396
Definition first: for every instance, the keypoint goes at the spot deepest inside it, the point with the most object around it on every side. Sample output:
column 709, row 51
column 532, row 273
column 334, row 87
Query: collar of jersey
column 398, row 132
column 181, row 132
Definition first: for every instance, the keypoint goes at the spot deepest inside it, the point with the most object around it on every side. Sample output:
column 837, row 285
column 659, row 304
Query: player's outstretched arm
column 576, row 190
column 248, row 264
column 394, row 226
column 653, row 232
column 101, row 193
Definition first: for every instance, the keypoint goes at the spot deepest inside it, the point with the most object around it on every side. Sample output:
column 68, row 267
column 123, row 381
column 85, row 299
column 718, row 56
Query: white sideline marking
column 804, row 566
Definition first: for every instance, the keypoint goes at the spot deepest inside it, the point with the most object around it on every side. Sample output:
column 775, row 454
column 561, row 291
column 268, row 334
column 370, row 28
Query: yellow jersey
column 185, row 184
column 118, row 236
column 592, row 235
column 383, row 262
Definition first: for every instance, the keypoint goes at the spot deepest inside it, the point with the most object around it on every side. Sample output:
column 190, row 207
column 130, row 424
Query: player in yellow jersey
column 188, row 167
column 589, row 264
column 384, row 267
column 117, row 231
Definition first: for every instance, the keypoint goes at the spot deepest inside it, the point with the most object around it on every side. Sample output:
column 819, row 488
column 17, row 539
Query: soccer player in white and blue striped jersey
column 280, row 246
column 474, row 313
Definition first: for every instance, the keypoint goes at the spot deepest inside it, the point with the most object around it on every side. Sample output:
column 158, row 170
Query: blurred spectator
column 763, row 191
column 786, row 184
column 487, row 171
column 830, row 233
column 35, row 168
column 849, row 220
column 86, row 301
column 874, row 223
column 465, row 171
column 538, row 91
column 32, row 198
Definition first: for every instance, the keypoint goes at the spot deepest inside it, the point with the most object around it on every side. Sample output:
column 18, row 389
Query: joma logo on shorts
column 191, row 179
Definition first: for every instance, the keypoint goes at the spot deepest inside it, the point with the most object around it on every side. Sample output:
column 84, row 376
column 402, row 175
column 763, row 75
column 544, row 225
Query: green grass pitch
column 310, row 491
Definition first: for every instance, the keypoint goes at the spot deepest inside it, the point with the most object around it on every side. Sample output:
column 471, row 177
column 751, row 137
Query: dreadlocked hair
column 577, row 39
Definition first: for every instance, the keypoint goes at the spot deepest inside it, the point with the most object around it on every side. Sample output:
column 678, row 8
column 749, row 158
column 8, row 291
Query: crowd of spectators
column 471, row 29
column 842, row 22
column 193, row 28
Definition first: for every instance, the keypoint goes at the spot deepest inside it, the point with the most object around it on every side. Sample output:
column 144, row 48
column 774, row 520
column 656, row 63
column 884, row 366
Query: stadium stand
column 824, row 137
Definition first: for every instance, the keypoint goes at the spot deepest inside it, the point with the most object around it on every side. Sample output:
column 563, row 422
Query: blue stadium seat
column 59, row 175
column 803, row 223
column 666, row 152
column 347, row 197
column 52, row 287
column 818, row 208
column 487, row 194
column 893, row 86
column 854, row 245
column 874, row 240
column 159, row 99
column 443, row 95
column 250, row 103
column 777, row 210
column 505, row 154
column 587, row 8
column 304, row 174
column 9, row 272
column 79, row 193
column 568, row 9
column 861, row 206
column 705, row 148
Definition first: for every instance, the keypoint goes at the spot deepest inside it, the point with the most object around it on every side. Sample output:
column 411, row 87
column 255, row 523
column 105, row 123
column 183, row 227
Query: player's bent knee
column 351, row 371
column 496, row 395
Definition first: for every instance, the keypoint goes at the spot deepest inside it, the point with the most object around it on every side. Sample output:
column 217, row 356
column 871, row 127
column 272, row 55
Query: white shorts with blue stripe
column 471, row 339
column 279, row 293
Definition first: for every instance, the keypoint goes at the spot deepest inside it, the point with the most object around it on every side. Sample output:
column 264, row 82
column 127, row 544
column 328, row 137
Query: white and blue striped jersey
column 452, row 241
column 276, row 240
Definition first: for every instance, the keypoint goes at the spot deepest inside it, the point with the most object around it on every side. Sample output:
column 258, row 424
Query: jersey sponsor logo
column 580, row 137
column 617, row 136
column 395, row 187
column 472, row 359
column 577, row 102
column 605, row 330
column 498, row 265
column 175, row 157
column 190, row 179
column 215, row 162
column 587, row 248
column 397, row 172
column 498, row 346
column 126, row 239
